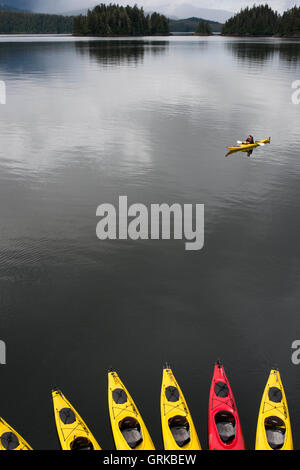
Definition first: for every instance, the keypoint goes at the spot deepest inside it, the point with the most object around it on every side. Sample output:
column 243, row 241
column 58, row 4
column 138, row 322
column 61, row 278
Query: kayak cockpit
column 131, row 431
column 81, row 443
column 275, row 432
column 226, row 426
column 180, row 430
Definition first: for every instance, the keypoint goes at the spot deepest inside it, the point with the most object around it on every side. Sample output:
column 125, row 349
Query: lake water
column 89, row 120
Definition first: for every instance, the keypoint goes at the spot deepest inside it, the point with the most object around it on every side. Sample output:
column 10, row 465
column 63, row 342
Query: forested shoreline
column 116, row 20
column 263, row 21
column 203, row 29
column 18, row 22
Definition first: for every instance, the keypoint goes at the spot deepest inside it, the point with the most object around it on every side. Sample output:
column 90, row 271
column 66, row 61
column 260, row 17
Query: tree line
column 13, row 22
column 262, row 20
column 116, row 20
column 204, row 28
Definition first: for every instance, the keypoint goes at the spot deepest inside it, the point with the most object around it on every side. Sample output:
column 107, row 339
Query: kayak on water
column 128, row 427
column 246, row 146
column 274, row 430
column 178, row 429
column 10, row 439
column 224, row 428
column 72, row 431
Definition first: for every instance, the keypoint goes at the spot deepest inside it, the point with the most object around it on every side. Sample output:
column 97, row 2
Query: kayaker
column 250, row 139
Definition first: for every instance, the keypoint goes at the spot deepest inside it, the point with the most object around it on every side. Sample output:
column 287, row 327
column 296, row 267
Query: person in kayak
column 250, row 139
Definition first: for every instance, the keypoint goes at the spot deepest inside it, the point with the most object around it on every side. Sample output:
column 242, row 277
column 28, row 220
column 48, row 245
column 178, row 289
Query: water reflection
column 37, row 57
column 261, row 52
column 121, row 52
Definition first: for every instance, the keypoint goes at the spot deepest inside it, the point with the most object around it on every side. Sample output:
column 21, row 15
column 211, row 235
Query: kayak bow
column 10, row 439
column 224, row 428
column 245, row 146
column 274, row 430
column 178, row 429
column 128, row 427
column 72, row 431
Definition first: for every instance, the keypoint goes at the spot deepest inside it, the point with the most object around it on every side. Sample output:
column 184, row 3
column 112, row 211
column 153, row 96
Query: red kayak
column 224, row 427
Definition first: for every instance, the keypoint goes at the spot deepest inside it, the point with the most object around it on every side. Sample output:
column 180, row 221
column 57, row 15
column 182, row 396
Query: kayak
column 128, row 427
column 72, row 431
column 274, row 430
column 224, row 428
column 10, row 439
column 178, row 429
column 246, row 146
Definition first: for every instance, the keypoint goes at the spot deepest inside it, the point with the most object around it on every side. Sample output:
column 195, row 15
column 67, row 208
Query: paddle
column 240, row 143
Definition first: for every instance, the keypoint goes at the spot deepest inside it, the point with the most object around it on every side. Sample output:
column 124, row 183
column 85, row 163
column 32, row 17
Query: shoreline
column 119, row 35
column 279, row 36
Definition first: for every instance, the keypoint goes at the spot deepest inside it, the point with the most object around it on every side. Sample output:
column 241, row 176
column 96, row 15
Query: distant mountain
column 190, row 25
column 186, row 10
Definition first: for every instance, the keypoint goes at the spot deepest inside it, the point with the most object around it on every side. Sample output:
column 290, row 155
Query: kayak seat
column 225, row 423
column 275, row 432
column 131, row 431
column 81, row 443
column 275, row 438
column 180, row 430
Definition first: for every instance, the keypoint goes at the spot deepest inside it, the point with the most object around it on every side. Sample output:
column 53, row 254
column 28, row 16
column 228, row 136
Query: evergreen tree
column 289, row 23
column 115, row 20
column 255, row 21
column 16, row 22
column 204, row 28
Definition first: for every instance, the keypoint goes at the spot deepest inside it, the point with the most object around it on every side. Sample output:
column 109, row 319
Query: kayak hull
column 174, row 410
column 222, row 406
column 249, row 146
column 10, row 439
column 69, row 424
column 128, row 427
column 270, row 409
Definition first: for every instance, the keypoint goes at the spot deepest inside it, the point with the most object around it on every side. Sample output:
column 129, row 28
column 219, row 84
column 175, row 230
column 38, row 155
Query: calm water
column 87, row 121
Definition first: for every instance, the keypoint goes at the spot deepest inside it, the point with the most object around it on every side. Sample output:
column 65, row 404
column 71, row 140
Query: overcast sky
column 231, row 5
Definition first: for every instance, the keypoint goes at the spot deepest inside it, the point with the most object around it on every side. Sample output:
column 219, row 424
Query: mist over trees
column 115, row 20
column 263, row 21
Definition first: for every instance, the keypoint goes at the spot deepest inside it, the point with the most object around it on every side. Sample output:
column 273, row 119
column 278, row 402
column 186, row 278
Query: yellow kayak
column 178, row 429
column 10, row 439
column 274, row 427
column 72, row 431
column 245, row 146
column 128, row 427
